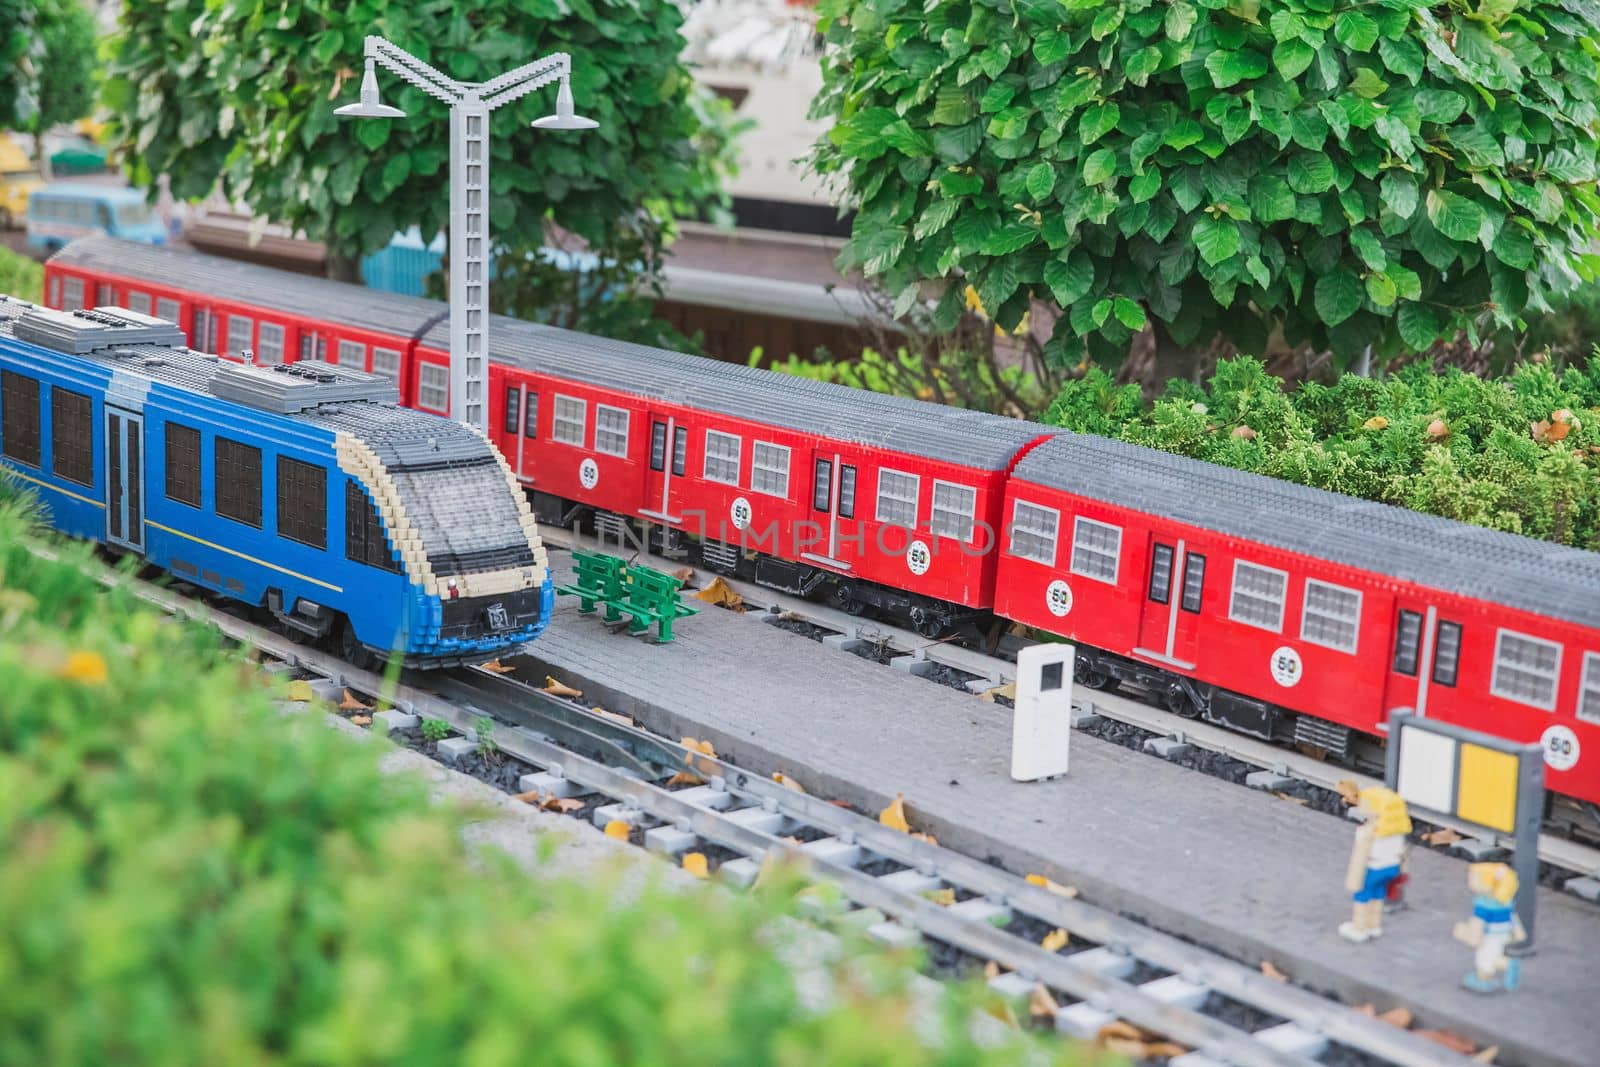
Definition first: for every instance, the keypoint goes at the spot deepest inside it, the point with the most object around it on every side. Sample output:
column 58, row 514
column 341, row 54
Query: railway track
column 900, row 888
column 995, row 671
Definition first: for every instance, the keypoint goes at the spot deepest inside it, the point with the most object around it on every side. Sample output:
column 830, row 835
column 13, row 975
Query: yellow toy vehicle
column 18, row 178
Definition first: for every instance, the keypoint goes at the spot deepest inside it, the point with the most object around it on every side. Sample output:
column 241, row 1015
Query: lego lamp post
column 470, row 104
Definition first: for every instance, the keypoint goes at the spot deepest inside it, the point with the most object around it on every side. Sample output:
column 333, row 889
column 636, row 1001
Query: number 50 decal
column 1560, row 748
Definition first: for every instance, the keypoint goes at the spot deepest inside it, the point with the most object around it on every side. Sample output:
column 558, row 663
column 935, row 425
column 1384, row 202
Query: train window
column 1526, row 669
column 74, row 294
column 1407, row 640
column 769, row 469
column 610, row 430
column 353, row 354
column 302, row 502
column 168, row 309
column 1033, row 532
column 386, row 361
column 1589, row 694
column 183, row 464
column 270, row 349
column 953, row 506
column 19, row 417
column 236, row 482
column 513, row 421
column 680, row 450
column 433, row 387
column 241, row 333
column 1447, row 656
column 530, row 417
column 55, row 292
column 822, row 486
column 363, row 532
column 570, row 418
column 1258, row 595
column 898, row 493
column 1331, row 616
column 71, row 436
column 139, row 302
column 847, row 491
column 1096, row 549
column 1161, row 574
column 658, row 446
column 723, row 457
column 1194, row 582
column 105, row 295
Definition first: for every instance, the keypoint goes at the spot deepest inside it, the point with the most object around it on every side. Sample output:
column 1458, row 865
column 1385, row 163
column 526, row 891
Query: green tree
column 65, row 86
column 1352, row 174
column 243, row 94
column 17, row 99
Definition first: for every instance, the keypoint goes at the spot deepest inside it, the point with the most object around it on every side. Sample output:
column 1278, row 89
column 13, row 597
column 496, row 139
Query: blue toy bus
column 64, row 211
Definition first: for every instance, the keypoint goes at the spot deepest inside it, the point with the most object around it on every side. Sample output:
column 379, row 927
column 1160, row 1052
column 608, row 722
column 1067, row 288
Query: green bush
column 1515, row 453
column 21, row 276
column 191, row 878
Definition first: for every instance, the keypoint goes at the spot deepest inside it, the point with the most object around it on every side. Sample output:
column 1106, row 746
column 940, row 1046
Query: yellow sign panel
column 1486, row 789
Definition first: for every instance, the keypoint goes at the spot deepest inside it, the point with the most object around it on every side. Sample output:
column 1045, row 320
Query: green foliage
column 956, row 376
column 244, row 93
column 194, row 878
column 47, row 54
column 19, row 51
column 1350, row 173
column 1519, row 453
column 435, row 730
column 21, row 276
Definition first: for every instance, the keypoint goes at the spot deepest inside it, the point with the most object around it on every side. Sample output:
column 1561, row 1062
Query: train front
column 459, row 526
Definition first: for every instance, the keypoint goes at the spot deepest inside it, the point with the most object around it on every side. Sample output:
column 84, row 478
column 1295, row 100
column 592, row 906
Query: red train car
column 1293, row 613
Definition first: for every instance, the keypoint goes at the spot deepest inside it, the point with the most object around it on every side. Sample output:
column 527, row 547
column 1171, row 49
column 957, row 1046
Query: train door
column 833, row 508
column 125, row 479
column 203, row 335
column 522, row 426
column 669, row 455
column 1426, row 653
column 1169, row 621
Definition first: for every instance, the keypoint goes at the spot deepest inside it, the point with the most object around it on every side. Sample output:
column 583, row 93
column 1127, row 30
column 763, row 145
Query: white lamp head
column 564, row 119
column 369, row 107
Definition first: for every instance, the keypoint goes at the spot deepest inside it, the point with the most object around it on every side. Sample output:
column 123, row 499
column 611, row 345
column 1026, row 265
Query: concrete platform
column 1256, row 876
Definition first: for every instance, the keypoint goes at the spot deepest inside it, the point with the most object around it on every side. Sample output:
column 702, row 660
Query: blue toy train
column 302, row 489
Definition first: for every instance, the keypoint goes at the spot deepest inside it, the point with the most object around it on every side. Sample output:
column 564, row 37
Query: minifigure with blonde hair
column 1375, row 860
column 1493, row 926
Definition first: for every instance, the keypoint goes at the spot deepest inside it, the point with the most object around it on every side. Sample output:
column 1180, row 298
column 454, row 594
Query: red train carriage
column 1291, row 612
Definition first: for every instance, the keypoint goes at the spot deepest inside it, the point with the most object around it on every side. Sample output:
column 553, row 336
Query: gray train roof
column 454, row 491
column 1472, row 561
column 969, row 438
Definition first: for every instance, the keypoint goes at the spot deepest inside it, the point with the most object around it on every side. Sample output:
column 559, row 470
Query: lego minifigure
column 1493, row 926
column 1375, row 860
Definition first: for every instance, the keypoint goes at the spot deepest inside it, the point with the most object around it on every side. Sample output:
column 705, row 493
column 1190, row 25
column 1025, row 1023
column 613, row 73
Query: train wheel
column 1178, row 701
column 927, row 623
column 351, row 648
column 1085, row 675
column 844, row 598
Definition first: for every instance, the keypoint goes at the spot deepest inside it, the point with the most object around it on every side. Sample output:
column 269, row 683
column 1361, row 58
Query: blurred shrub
column 193, row 879
column 21, row 276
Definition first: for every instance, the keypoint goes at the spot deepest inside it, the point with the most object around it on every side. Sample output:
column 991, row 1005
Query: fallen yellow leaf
column 618, row 829
column 787, row 782
column 1450, row 1040
column 300, row 691
column 1055, row 940
column 563, row 805
column 350, row 703
column 1041, row 1004
column 1272, row 972
column 494, row 666
column 1348, row 791
column 560, row 689
column 1486, row 1054
column 1398, row 1017
column 991, row 969
column 942, row 897
column 86, row 668
column 721, row 594
column 361, row 720
column 1442, row 836
column 625, row 720
column 894, row 816
column 695, row 864
column 1055, row 887
column 530, row 797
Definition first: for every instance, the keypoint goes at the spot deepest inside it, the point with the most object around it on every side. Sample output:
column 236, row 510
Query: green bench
column 640, row 594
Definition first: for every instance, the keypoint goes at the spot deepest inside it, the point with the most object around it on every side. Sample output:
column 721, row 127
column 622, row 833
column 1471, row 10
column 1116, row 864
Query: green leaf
column 1406, row 281
column 1128, row 313
column 1381, row 289
column 1142, row 64
column 1286, row 25
column 1216, row 239
column 1439, row 105
column 1292, row 57
column 1454, row 215
column 1235, row 124
column 1179, row 21
column 1308, row 128
column 997, row 96
column 1271, row 199
column 1338, row 121
column 952, row 105
column 999, row 281
column 1183, row 133
column 1399, row 193
column 882, row 248
column 1367, row 84
column 1069, row 279
column 1012, row 237
column 1403, row 57
column 956, row 144
column 1310, row 174
column 1228, row 69
column 1101, row 312
column 1355, row 31
column 936, row 218
column 1142, row 187
column 1010, row 124
column 1052, row 46
column 861, row 136
column 1258, row 271
column 1106, row 22
column 1101, row 166
column 1098, row 121
column 1418, row 326
column 395, row 172
column 1514, row 248
column 1368, row 248
column 1337, row 296
column 1041, row 180
column 1187, row 187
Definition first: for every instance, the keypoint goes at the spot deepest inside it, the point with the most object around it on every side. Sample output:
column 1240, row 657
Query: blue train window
column 237, row 482
column 71, row 436
column 183, row 464
column 363, row 532
column 302, row 502
column 19, row 417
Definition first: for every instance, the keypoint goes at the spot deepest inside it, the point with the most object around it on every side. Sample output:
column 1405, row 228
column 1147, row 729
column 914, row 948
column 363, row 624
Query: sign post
column 1041, row 730
column 1494, row 784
